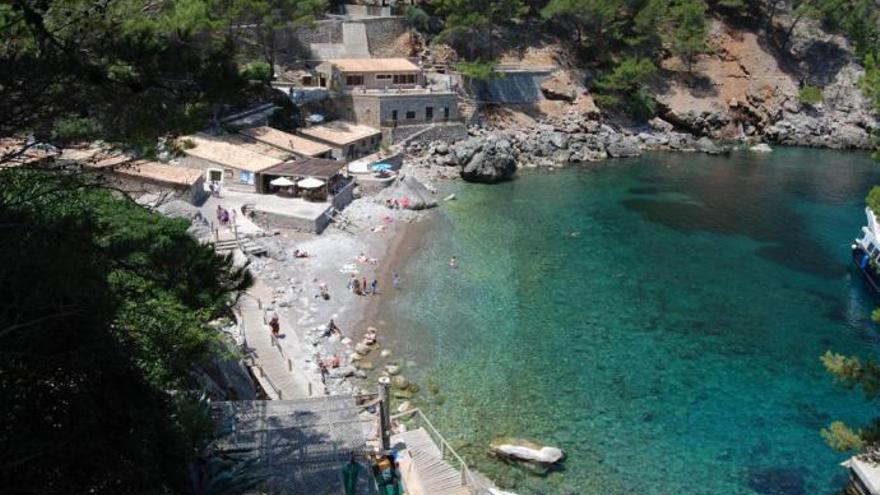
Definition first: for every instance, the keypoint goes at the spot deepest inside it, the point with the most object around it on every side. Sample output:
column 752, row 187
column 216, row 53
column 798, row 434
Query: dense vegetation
column 129, row 71
column 620, row 38
column 104, row 308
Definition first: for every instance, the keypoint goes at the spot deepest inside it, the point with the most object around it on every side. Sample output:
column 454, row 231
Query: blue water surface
column 659, row 318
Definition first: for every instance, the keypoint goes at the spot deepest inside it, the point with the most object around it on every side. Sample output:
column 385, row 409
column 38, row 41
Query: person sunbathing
column 300, row 254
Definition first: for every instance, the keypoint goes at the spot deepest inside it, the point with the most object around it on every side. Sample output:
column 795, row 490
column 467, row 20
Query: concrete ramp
column 515, row 87
column 354, row 44
column 354, row 38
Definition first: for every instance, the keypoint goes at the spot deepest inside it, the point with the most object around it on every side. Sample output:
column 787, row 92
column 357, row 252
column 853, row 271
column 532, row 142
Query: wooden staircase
column 435, row 475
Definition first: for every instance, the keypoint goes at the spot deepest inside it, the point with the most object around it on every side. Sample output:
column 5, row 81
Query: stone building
column 348, row 140
column 393, row 109
column 370, row 73
column 296, row 145
column 225, row 160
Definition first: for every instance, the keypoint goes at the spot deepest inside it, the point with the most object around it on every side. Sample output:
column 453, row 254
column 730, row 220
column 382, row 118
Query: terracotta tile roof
column 374, row 65
column 160, row 172
column 339, row 132
column 286, row 141
column 320, row 168
column 219, row 150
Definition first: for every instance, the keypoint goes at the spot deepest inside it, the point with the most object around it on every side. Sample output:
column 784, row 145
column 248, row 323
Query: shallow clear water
column 660, row 318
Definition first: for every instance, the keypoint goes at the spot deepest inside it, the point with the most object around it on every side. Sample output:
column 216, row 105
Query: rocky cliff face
column 743, row 90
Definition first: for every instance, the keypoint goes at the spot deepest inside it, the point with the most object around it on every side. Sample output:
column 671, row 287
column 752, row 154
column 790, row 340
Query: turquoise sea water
column 660, row 318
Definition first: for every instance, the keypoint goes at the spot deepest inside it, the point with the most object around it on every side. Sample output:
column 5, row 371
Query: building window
column 410, row 115
column 404, row 78
column 354, row 80
column 245, row 177
column 384, row 76
column 429, row 113
column 446, row 113
column 394, row 115
column 307, row 81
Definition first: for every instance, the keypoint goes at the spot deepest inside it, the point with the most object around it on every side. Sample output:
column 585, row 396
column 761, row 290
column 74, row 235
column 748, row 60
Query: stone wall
column 382, row 34
column 377, row 110
column 426, row 133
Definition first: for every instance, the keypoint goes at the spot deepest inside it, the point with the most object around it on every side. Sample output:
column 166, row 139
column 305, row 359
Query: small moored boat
column 866, row 251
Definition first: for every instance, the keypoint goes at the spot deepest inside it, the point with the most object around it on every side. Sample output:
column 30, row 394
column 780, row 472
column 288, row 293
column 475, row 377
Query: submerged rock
column 532, row 456
column 761, row 148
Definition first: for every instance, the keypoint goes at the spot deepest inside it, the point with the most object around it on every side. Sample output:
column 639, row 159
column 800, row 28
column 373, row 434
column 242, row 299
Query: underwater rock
column 535, row 457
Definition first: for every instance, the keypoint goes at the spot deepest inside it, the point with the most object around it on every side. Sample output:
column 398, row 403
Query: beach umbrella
column 282, row 182
column 378, row 167
column 316, row 118
column 310, row 183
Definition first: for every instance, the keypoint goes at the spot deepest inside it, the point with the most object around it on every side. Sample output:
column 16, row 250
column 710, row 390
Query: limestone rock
column 392, row 369
column 489, row 165
column 362, row 348
column 400, row 382
column 404, row 406
column 385, row 353
column 761, row 148
column 628, row 146
column 535, row 457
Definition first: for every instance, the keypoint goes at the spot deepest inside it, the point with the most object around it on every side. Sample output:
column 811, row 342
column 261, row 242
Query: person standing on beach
column 275, row 325
column 374, row 287
column 364, row 285
column 395, row 281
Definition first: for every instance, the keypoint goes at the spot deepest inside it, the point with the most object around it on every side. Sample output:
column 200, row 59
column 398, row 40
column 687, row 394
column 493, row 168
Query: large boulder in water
column 532, row 456
column 492, row 161
column 626, row 147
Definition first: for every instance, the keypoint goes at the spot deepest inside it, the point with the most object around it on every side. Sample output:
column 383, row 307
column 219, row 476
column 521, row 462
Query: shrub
column 810, row 95
column 257, row 71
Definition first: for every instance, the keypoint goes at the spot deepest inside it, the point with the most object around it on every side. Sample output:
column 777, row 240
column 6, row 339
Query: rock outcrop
column 487, row 160
column 742, row 91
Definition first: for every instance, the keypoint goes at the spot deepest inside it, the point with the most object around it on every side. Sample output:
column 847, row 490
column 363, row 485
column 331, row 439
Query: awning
column 310, row 183
column 378, row 167
column 282, row 182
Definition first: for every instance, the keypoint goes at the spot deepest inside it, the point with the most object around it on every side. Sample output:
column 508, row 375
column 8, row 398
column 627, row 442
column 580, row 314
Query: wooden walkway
column 278, row 374
column 433, row 475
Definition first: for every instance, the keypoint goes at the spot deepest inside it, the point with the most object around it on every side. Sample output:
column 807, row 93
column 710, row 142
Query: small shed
column 348, row 140
column 326, row 171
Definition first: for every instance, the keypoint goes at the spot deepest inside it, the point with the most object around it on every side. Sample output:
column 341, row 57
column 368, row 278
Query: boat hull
column 860, row 259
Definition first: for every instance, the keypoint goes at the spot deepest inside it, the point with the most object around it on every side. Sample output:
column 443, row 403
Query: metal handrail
column 466, row 476
column 276, row 344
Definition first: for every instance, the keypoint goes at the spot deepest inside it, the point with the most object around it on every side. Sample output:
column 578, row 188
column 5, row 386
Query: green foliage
column 258, row 71
column 870, row 82
column 417, row 18
column 136, row 71
column 103, row 308
column 810, row 95
column 73, row 128
column 594, row 21
column 688, row 36
column 468, row 24
column 852, row 372
column 873, row 199
column 842, row 438
column 625, row 88
column 478, row 70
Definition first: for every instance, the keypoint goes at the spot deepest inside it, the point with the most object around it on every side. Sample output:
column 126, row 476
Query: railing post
column 289, row 365
column 310, row 388
column 385, row 412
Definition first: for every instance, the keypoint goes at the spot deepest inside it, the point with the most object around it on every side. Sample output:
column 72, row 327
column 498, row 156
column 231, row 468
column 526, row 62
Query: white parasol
column 310, row 183
column 282, row 182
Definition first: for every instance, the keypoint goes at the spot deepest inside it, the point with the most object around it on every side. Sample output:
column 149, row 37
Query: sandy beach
column 385, row 237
